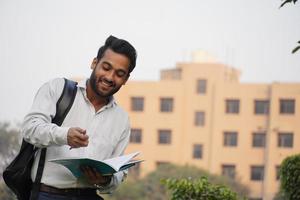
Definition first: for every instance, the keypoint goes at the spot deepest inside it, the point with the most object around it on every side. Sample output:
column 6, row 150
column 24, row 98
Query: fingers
column 80, row 130
column 82, row 136
column 93, row 176
column 77, row 137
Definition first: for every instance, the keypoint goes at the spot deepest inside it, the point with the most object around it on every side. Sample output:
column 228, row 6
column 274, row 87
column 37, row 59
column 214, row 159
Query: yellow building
column 200, row 114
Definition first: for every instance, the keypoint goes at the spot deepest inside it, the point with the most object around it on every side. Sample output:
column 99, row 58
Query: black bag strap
column 65, row 101
column 63, row 106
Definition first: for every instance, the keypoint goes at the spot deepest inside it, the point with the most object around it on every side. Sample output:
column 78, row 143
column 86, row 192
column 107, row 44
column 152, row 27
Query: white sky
column 44, row 39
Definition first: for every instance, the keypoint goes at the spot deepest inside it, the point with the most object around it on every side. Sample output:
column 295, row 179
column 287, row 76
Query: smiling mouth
column 106, row 84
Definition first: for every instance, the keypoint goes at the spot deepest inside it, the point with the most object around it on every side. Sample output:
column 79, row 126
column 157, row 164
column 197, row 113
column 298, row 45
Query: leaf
column 287, row 1
column 296, row 49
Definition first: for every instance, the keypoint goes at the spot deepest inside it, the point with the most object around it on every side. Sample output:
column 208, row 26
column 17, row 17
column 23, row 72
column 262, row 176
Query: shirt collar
column 82, row 85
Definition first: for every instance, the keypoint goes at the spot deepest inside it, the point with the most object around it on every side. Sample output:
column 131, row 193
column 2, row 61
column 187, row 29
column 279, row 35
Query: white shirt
column 108, row 130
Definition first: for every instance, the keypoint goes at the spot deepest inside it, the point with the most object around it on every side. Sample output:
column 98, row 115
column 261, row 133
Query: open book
column 105, row 167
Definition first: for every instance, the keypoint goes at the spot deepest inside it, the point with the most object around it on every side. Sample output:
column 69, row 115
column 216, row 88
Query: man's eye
column 105, row 67
column 120, row 73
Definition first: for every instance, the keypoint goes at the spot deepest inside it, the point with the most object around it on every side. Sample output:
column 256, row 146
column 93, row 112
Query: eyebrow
column 105, row 62
column 108, row 63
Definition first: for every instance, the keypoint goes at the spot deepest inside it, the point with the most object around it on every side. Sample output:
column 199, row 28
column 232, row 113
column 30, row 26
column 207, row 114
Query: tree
column 9, row 146
column 285, row 2
column 151, row 188
column 5, row 192
column 288, row 1
column 290, row 177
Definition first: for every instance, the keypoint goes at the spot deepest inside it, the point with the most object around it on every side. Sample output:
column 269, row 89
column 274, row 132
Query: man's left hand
column 94, row 177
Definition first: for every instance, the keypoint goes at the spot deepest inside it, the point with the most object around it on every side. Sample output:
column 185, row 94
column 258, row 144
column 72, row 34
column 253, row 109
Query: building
column 200, row 114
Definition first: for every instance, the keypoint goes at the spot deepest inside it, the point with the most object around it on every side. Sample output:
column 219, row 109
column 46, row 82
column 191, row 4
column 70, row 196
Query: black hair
column 119, row 46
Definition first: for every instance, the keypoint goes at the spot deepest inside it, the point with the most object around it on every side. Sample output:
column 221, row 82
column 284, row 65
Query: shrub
column 200, row 189
column 290, row 177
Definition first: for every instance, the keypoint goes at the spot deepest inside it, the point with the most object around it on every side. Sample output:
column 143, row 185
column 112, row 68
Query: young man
column 95, row 127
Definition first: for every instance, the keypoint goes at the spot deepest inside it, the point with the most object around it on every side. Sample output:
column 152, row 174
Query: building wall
column 222, row 83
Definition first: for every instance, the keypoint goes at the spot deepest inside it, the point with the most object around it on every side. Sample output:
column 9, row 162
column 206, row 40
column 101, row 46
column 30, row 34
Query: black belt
column 68, row 191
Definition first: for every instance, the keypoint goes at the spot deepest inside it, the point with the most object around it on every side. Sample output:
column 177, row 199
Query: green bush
column 150, row 187
column 199, row 189
column 290, row 177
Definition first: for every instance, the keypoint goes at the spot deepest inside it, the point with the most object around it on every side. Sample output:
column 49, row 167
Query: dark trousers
column 48, row 196
column 51, row 193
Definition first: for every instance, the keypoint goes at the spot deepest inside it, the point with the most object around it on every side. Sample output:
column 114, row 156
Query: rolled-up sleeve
column 37, row 128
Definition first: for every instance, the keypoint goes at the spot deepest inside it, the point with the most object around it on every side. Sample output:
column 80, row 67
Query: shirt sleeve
column 37, row 128
column 118, row 177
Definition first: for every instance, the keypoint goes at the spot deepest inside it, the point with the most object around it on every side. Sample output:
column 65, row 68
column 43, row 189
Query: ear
column 94, row 63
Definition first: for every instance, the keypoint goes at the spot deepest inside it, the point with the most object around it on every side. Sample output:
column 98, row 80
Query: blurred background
column 226, row 47
column 45, row 39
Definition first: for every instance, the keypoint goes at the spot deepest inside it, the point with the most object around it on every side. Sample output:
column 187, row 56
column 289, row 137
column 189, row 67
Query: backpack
column 17, row 175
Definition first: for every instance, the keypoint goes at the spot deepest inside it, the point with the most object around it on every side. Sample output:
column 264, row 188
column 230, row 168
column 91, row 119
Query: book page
column 118, row 162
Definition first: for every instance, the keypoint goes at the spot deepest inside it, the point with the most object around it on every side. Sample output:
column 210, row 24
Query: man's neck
column 97, row 101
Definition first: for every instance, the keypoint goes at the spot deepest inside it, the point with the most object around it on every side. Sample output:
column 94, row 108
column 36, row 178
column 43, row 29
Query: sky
column 44, row 39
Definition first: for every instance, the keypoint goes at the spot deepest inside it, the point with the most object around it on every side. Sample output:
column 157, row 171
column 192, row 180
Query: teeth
column 105, row 83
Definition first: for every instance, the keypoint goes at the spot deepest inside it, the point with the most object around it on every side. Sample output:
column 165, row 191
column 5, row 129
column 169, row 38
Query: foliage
column 290, row 1
column 130, row 190
column 9, row 146
column 150, row 187
column 279, row 196
column 296, row 48
column 199, row 189
column 5, row 192
column 290, row 177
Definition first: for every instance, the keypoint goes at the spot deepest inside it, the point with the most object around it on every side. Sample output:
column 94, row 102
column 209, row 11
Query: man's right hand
column 77, row 137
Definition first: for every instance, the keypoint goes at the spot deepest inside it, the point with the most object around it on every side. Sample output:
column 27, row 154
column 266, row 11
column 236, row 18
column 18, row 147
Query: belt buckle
column 65, row 191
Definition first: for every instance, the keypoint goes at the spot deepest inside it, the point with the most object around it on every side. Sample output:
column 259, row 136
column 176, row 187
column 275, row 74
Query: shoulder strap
column 63, row 106
column 65, row 101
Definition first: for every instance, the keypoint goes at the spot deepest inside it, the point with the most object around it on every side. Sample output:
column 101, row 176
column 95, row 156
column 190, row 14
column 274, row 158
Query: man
column 95, row 127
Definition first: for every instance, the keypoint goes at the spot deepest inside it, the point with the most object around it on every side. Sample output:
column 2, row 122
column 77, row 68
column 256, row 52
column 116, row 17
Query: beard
column 94, row 81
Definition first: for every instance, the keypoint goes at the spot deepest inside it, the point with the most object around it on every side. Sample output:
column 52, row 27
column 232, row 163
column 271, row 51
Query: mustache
column 110, row 82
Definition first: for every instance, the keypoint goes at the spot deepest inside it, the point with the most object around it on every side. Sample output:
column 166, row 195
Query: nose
column 109, row 78
column 110, row 75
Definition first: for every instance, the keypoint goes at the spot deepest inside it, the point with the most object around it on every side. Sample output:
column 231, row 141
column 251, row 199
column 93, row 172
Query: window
column 199, row 118
column 285, row 139
column 258, row 140
column 232, row 106
column 136, row 136
column 197, row 151
column 230, row 139
column 261, row 107
column 201, row 86
column 277, row 169
column 229, row 171
column 162, row 163
column 164, row 136
column 166, row 104
column 137, row 103
column 287, row 106
column 257, row 173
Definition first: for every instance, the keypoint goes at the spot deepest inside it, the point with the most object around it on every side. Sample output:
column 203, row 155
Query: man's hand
column 77, row 137
column 94, row 177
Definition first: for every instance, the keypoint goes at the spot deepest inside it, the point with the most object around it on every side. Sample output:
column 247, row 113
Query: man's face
column 109, row 73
